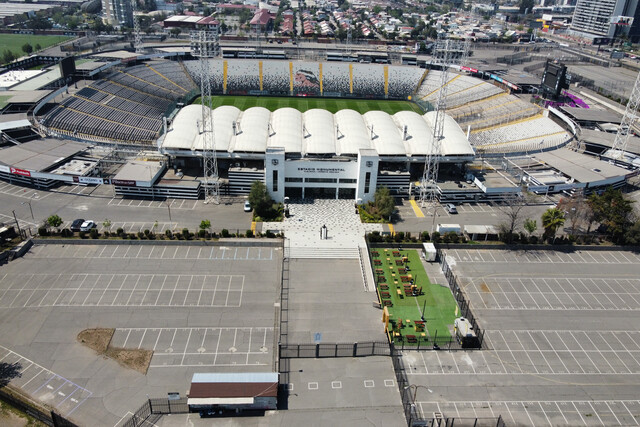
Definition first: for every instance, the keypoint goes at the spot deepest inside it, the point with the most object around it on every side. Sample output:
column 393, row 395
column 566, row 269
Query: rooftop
column 40, row 155
column 580, row 167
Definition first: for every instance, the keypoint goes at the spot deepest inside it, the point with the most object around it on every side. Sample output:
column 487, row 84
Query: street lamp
column 29, row 203
column 415, row 388
column 169, row 209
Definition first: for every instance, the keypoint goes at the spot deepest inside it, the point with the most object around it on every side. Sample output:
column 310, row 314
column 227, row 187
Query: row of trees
column 610, row 211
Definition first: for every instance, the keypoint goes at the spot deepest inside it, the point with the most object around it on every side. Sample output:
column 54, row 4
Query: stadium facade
column 317, row 153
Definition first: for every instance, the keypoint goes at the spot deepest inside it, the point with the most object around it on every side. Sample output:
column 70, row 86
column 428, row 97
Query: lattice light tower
column 349, row 40
column 205, row 45
column 626, row 125
column 446, row 52
column 137, row 41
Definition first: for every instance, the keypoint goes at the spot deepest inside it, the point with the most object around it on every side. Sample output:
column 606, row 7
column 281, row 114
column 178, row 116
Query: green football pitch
column 14, row 42
column 305, row 103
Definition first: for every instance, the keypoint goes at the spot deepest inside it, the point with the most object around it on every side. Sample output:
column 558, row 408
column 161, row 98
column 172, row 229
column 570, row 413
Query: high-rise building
column 593, row 18
column 118, row 13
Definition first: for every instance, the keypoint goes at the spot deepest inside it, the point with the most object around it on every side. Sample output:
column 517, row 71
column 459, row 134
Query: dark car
column 75, row 225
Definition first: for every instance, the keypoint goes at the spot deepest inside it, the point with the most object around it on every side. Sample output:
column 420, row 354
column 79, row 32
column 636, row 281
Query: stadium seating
column 128, row 105
column 526, row 135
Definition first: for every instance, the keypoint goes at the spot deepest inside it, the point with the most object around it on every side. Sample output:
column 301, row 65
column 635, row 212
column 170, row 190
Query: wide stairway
column 345, row 232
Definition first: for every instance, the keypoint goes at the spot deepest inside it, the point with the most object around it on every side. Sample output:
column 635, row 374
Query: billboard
column 67, row 67
column 554, row 78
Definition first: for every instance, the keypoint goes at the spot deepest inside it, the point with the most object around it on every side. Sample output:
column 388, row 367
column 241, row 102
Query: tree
column 107, row 223
column 54, row 221
column 552, row 219
column 27, row 48
column 612, row 210
column 205, row 224
column 530, row 226
column 632, row 235
column 511, row 210
column 577, row 211
column 383, row 202
column 260, row 200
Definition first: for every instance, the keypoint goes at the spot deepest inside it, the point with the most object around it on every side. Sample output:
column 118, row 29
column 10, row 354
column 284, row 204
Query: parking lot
column 197, row 308
column 561, row 343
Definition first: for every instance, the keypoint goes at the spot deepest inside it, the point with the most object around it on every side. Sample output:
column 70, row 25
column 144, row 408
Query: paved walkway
column 302, row 229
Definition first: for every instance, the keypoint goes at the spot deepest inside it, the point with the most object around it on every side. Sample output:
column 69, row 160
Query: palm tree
column 552, row 219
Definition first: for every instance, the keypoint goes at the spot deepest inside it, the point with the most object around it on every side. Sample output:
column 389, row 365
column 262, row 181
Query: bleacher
column 498, row 109
column 128, row 105
column 529, row 134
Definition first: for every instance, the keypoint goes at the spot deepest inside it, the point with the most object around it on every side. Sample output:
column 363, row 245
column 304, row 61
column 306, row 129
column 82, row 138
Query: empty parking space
column 534, row 256
column 187, row 204
column 23, row 192
column 251, row 346
column 537, row 352
column 555, row 293
column 88, row 289
column 559, row 328
column 542, row 413
column 42, row 384
column 156, row 252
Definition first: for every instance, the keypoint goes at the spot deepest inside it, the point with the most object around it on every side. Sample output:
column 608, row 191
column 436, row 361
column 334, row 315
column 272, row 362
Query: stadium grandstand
column 127, row 105
column 316, row 152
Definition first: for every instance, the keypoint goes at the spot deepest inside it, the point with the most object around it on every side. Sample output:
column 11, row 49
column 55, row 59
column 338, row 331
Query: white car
column 247, row 206
column 87, row 226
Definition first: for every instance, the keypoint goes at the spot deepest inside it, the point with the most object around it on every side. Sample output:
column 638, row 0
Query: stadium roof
column 316, row 132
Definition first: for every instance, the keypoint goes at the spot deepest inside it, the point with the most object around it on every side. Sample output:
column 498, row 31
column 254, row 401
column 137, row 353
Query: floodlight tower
column 446, row 52
column 628, row 120
column 349, row 40
column 137, row 41
column 205, row 44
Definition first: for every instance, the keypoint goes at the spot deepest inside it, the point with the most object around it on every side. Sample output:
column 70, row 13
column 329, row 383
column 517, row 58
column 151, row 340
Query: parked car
column 451, row 208
column 75, row 225
column 247, row 206
column 87, row 225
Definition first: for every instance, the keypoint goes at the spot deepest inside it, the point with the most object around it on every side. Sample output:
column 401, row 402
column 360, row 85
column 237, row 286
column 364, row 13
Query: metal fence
column 462, row 422
column 458, row 294
column 49, row 418
column 157, row 408
column 325, row 350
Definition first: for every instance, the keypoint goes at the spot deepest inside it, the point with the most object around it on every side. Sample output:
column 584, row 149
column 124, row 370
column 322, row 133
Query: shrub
column 453, row 237
column 140, row 235
column 168, row 233
column 201, row 233
column 66, row 232
column 185, row 233
column 119, row 231
column 225, row 232
column 43, row 231
column 435, row 237
column 147, row 233
column 82, row 234
column 269, row 234
column 375, row 237
column 248, row 233
column 106, row 233
column 399, row 236
column 94, row 233
column 424, row 236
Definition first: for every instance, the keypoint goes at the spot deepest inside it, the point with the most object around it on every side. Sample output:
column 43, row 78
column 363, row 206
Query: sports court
column 199, row 308
column 561, row 343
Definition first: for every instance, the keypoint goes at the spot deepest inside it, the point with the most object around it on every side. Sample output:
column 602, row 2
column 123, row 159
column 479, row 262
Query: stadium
column 331, row 129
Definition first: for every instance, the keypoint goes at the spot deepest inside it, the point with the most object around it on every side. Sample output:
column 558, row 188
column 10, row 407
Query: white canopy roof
column 316, row 132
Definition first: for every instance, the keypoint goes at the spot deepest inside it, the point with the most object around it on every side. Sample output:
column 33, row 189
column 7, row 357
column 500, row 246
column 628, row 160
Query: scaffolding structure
column 137, row 41
column 205, row 45
column 629, row 120
column 446, row 52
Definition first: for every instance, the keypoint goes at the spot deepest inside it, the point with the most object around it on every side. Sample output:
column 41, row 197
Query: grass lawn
column 306, row 103
column 14, row 42
column 440, row 306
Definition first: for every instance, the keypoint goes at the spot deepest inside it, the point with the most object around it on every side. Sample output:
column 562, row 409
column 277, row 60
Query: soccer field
column 14, row 42
column 304, row 103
